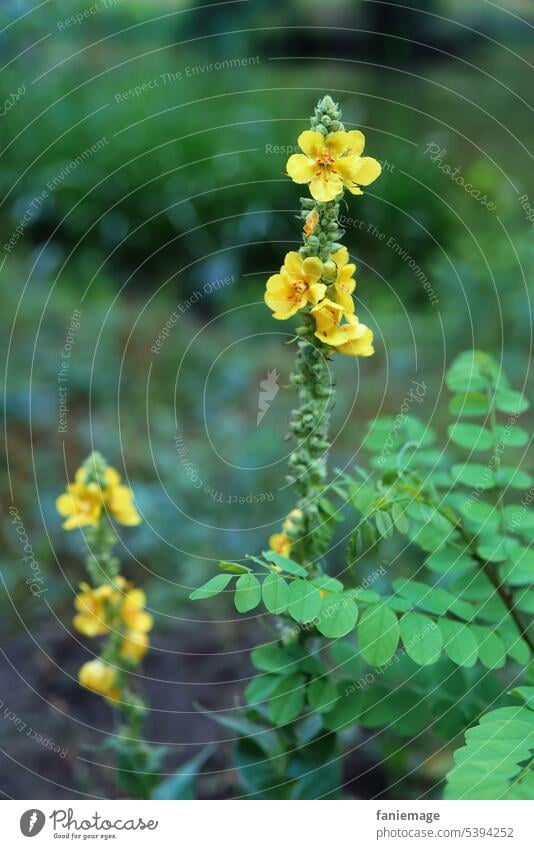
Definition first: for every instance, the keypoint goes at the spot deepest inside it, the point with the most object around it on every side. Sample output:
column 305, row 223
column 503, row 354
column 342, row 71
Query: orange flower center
column 299, row 287
column 325, row 159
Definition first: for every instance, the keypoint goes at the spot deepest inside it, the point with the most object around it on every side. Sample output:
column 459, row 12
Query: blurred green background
column 143, row 150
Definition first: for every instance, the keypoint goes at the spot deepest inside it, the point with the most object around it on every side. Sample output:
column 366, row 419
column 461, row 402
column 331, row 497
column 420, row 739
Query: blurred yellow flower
column 133, row 613
column 92, row 606
column 99, row 676
column 84, row 500
column 351, row 338
column 331, row 163
column 134, row 646
column 295, row 285
column 280, row 543
column 292, row 519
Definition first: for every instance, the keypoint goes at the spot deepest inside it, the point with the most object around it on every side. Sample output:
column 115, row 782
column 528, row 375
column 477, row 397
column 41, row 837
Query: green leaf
column 275, row 594
column 496, row 762
column 273, row 658
column 363, row 595
column 304, row 601
column 285, row 563
column 519, row 518
column 181, row 785
column 260, row 777
column 520, row 569
column 459, row 643
column 497, row 549
column 212, row 587
column 480, row 515
column 509, row 401
column 378, row 633
column 347, row 710
column 398, row 515
column 469, row 404
column 491, row 650
column 347, row 661
column 260, row 688
column 235, row 568
column 471, row 436
column 474, row 475
column 325, row 582
column 450, row 561
column 384, row 524
column 337, row 616
column 508, row 476
column 322, row 694
column 512, row 435
column 247, row 593
column 421, row 638
column 516, row 647
column 287, row 700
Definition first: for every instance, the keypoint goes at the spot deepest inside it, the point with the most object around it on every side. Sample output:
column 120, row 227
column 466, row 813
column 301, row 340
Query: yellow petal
column 312, row 142
column 65, row 504
column 356, row 142
column 349, row 168
column 317, row 292
column 369, row 170
column 312, row 268
column 326, row 187
column 341, row 256
column 361, row 347
column 112, row 477
column 344, row 300
column 293, row 262
column 300, row 168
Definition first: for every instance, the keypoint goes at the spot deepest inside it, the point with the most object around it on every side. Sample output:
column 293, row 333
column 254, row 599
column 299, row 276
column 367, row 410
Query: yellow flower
column 133, row 613
column 84, row 501
column 344, row 283
column 119, row 501
column 351, row 338
column 311, row 222
column 295, row 285
column 332, row 163
column 280, row 543
column 81, row 504
column 134, row 646
column 294, row 517
column 93, row 604
column 99, row 677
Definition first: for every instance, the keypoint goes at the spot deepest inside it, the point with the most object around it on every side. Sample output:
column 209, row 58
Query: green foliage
column 497, row 761
column 420, row 648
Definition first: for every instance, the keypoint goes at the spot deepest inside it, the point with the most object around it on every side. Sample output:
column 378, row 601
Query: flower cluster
column 318, row 280
column 112, row 607
column 97, row 487
column 116, row 609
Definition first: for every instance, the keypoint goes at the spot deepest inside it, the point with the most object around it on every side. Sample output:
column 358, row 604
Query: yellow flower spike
column 99, row 676
column 134, row 646
column 295, row 285
column 330, row 164
column 280, row 543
